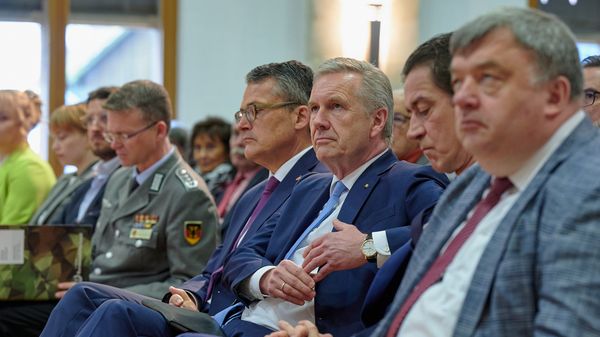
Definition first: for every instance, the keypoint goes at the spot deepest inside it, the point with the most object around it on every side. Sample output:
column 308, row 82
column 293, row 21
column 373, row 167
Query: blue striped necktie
column 328, row 208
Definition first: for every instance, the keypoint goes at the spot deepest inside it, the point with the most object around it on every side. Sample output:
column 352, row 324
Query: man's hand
column 180, row 298
column 303, row 329
column 335, row 251
column 62, row 289
column 288, row 282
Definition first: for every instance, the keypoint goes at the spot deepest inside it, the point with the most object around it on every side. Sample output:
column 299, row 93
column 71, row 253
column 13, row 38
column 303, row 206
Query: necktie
column 272, row 184
column 229, row 191
column 328, row 208
column 133, row 185
column 437, row 269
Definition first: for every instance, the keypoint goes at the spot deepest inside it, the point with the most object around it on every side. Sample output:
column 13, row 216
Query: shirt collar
column 105, row 167
column 282, row 172
column 141, row 177
column 525, row 174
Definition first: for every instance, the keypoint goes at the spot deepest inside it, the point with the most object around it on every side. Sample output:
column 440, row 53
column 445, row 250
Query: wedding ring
column 282, row 286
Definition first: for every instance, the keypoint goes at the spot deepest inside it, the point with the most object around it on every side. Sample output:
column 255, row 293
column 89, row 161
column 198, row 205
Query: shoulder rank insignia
column 192, row 231
column 186, row 178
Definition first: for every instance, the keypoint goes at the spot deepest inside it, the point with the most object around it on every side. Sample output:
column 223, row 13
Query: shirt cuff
column 252, row 288
column 380, row 243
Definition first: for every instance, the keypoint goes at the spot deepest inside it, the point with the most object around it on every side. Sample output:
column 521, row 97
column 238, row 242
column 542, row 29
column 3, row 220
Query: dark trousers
column 24, row 318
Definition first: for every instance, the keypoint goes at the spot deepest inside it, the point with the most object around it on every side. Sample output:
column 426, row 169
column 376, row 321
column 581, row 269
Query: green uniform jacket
column 160, row 235
column 25, row 180
column 60, row 195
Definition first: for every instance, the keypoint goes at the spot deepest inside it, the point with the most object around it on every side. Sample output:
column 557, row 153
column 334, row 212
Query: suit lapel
column 364, row 185
column 304, row 165
column 485, row 274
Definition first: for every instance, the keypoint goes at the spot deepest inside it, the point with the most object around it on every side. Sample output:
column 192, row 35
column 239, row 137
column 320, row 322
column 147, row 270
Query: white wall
column 220, row 41
column 442, row 16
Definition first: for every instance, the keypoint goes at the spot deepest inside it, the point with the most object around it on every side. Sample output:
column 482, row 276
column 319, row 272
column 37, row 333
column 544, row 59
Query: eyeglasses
column 122, row 137
column 252, row 110
column 91, row 119
column 400, row 118
column 590, row 96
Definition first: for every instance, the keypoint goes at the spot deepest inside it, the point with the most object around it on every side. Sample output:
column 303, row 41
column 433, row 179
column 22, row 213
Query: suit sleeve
column 569, row 264
column 185, row 259
column 421, row 197
column 248, row 258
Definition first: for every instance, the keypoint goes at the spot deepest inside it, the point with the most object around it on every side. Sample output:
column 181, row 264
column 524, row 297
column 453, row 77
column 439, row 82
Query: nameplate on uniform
column 140, row 233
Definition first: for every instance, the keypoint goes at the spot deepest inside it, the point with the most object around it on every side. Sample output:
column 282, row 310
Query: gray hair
column 294, row 79
column 151, row 98
column 549, row 39
column 375, row 91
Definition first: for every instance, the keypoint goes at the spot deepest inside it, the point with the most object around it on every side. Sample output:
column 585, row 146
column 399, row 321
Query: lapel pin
column 366, row 185
column 298, row 178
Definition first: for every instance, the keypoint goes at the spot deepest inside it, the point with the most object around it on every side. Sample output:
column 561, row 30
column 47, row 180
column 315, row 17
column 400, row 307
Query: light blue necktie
column 328, row 208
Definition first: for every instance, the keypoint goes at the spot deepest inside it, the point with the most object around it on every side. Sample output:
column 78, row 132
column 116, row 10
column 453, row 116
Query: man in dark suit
column 512, row 246
column 351, row 124
column 273, row 124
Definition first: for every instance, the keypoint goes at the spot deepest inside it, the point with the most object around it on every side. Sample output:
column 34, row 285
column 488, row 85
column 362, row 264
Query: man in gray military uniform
column 157, row 224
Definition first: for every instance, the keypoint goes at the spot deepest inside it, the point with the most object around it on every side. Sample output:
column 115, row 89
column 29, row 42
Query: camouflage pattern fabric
column 51, row 256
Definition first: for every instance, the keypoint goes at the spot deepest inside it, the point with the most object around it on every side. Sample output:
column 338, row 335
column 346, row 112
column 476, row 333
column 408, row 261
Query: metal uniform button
column 117, row 233
column 109, row 255
column 97, row 271
column 138, row 243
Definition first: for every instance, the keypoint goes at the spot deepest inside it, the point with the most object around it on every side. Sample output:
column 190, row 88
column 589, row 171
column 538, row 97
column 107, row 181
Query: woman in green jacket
column 25, row 178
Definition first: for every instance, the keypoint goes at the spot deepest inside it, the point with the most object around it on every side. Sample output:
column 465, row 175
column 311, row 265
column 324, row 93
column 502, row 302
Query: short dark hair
column 294, row 79
column 100, row 93
column 591, row 61
column 434, row 53
column 214, row 127
column 151, row 98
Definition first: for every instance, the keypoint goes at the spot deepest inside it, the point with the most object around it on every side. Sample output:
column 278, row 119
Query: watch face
column 368, row 248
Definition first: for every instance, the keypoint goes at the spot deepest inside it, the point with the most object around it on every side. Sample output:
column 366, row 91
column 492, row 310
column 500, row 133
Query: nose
column 416, row 128
column 318, row 119
column 243, row 124
column 465, row 96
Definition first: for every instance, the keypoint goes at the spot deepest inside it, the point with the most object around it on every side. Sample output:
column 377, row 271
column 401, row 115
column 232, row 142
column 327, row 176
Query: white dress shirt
column 436, row 312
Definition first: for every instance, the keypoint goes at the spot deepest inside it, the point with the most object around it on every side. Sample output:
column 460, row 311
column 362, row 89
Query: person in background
column 179, row 137
column 247, row 174
column 591, row 87
column 25, row 178
column 71, row 147
column 210, row 150
column 404, row 148
column 36, row 108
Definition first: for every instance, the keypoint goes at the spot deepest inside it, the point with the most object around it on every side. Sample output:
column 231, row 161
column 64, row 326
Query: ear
column 161, row 128
column 558, row 96
column 379, row 118
column 301, row 117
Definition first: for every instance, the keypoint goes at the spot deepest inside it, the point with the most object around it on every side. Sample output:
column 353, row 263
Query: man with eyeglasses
column 404, row 148
column 591, row 87
column 158, row 222
column 273, row 124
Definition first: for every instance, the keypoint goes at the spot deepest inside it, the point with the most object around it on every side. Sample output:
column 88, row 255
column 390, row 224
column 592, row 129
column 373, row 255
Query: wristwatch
column 368, row 249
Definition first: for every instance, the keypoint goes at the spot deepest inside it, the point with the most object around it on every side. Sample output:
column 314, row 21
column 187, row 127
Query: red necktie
column 229, row 191
column 437, row 269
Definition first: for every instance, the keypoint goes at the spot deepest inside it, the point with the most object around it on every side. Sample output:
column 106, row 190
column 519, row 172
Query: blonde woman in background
column 71, row 147
column 25, row 178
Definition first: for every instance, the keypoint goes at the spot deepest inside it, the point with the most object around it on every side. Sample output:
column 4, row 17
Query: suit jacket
column 387, row 194
column 50, row 211
column 540, row 272
column 159, row 235
column 222, row 296
column 71, row 210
